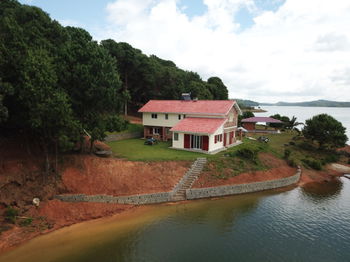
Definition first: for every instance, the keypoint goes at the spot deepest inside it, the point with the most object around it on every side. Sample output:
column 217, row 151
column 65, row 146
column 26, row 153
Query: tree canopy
column 58, row 84
column 326, row 131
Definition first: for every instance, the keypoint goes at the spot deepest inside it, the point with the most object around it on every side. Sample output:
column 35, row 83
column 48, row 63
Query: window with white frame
column 166, row 116
column 179, row 117
column 155, row 116
column 156, row 130
column 176, row 136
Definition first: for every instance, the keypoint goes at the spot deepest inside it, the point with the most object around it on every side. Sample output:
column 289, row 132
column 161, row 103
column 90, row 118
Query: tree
column 217, row 88
column 91, row 80
column 285, row 120
column 292, row 124
column 326, row 131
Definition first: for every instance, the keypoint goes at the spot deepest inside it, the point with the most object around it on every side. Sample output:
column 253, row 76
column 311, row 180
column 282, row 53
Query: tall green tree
column 217, row 88
column 326, row 131
column 91, row 81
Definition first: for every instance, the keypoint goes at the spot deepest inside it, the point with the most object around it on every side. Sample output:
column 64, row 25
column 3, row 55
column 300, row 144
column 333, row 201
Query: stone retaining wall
column 195, row 193
column 133, row 200
column 122, row 136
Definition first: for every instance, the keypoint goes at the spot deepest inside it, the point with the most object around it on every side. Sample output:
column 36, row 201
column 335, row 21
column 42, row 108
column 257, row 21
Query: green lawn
column 134, row 149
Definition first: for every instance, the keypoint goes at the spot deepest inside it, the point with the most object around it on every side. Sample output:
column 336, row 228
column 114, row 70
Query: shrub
column 331, row 158
column 313, row 163
column 292, row 143
column 287, row 153
column 248, row 153
column 306, row 146
column 292, row 162
column 11, row 215
column 26, row 222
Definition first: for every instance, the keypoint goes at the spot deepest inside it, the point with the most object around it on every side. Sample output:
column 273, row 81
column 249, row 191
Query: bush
column 287, row 153
column 331, row 158
column 248, row 153
column 306, row 146
column 292, row 162
column 313, row 163
column 292, row 143
column 26, row 222
column 11, row 215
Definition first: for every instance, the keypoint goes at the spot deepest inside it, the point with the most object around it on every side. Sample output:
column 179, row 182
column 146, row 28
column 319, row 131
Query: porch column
column 164, row 138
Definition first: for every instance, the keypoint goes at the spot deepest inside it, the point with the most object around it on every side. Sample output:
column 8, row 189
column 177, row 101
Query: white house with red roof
column 206, row 126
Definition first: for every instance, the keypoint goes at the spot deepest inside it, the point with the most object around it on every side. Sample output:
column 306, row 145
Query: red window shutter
column 187, row 141
column 151, row 131
column 215, row 138
column 225, row 139
column 205, row 143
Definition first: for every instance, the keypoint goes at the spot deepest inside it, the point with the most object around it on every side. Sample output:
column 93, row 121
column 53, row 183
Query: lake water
column 310, row 224
column 304, row 113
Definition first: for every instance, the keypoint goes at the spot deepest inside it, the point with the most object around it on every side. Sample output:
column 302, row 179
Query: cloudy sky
column 264, row 50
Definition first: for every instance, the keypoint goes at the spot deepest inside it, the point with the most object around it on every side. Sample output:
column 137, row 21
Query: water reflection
column 323, row 191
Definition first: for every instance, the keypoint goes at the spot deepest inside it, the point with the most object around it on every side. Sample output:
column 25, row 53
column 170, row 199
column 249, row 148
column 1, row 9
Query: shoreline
column 53, row 210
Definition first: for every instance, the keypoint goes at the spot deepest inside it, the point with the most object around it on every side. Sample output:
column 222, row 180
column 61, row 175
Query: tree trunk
column 47, row 158
column 126, row 99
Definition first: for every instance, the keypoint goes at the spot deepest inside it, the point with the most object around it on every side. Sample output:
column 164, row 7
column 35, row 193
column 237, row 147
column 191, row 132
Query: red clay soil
column 54, row 214
column 345, row 149
column 278, row 169
column 133, row 119
column 312, row 176
column 92, row 175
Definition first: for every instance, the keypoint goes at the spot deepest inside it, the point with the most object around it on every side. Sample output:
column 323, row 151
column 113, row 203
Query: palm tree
column 292, row 124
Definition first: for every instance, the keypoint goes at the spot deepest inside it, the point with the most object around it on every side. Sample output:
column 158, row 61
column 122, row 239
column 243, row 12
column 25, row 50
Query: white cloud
column 291, row 54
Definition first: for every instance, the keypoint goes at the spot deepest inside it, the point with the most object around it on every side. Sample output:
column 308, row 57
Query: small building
column 206, row 126
column 250, row 123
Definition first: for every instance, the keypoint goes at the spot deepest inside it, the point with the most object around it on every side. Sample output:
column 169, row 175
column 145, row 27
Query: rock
column 36, row 201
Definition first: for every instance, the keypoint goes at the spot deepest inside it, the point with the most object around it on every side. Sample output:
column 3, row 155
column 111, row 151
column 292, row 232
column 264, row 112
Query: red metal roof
column 260, row 119
column 198, row 125
column 211, row 107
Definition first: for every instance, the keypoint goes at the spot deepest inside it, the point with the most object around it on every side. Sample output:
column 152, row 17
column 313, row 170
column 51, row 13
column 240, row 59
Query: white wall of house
column 172, row 120
column 218, row 145
column 180, row 142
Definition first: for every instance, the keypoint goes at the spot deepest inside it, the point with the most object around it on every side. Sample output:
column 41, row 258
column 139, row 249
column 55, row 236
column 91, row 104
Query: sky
column 263, row 50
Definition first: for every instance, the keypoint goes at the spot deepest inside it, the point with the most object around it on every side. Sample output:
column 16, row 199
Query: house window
column 156, row 130
column 166, row 116
column 184, row 116
column 179, row 117
column 176, row 136
column 218, row 138
column 154, row 116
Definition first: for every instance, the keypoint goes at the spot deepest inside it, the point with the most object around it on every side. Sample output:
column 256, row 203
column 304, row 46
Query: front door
column 196, row 142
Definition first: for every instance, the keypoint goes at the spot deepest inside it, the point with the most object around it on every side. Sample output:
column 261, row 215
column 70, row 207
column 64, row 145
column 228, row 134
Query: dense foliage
column 326, row 131
column 57, row 84
column 149, row 77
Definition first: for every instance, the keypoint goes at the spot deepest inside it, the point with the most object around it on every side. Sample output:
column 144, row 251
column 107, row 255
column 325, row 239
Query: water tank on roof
column 186, row 96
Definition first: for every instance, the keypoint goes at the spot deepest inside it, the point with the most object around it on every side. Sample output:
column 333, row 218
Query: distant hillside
column 246, row 103
column 317, row 103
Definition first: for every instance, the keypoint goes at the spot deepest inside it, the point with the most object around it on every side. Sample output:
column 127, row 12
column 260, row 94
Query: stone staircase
column 179, row 191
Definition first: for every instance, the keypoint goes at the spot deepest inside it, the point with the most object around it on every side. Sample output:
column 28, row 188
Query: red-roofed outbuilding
column 249, row 123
